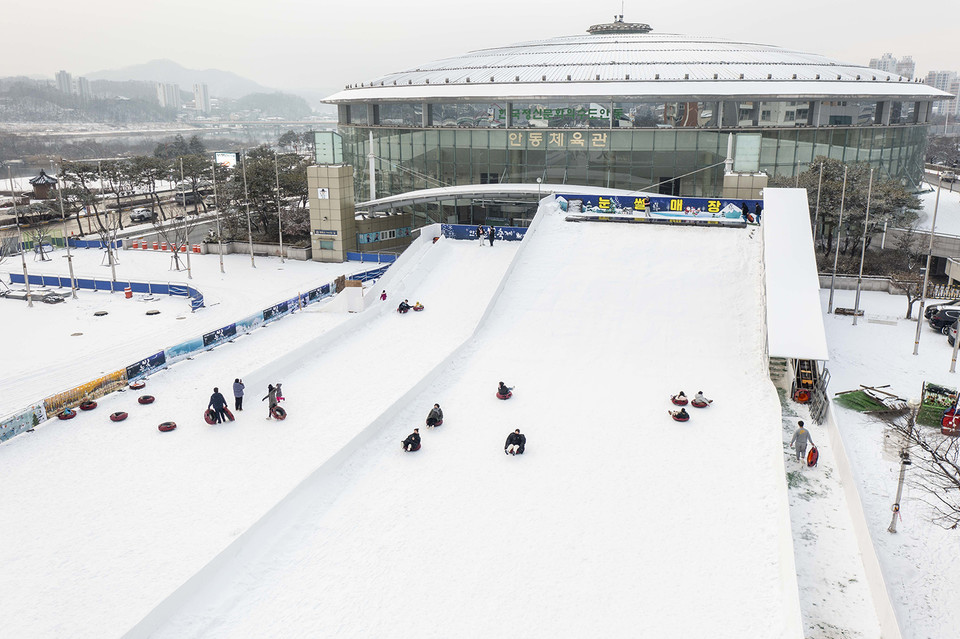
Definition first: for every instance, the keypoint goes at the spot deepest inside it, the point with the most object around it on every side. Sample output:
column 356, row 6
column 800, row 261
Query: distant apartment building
column 168, row 95
column 83, row 89
column 905, row 66
column 64, row 82
column 945, row 81
column 201, row 98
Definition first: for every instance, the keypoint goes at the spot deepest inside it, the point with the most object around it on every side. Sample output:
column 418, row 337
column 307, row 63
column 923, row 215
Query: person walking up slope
column 217, row 404
column 272, row 396
column 801, row 437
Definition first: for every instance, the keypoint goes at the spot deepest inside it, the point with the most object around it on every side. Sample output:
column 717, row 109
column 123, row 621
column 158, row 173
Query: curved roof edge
column 699, row 89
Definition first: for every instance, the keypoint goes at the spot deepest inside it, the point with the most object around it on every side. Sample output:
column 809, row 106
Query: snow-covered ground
column 921, row 562
column 43, row 354
column 948, row 211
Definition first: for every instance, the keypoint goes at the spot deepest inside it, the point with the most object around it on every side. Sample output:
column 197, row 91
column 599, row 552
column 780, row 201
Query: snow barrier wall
column 94, row 284
column 267, row 527
column 39, row 411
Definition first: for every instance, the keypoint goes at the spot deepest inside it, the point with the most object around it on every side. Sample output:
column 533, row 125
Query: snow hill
column 616, row 521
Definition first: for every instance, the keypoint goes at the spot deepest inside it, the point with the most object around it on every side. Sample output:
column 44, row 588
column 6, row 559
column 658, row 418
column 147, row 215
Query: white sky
column 311, row 43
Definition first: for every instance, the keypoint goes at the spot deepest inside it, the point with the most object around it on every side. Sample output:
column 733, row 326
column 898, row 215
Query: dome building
column 623, row 106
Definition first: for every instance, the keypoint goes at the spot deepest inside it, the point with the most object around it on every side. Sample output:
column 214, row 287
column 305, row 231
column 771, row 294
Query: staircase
column 778, row 368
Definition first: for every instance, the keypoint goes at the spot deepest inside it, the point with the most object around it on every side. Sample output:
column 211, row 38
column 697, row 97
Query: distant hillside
column 23, row 100
column 222, row 84
column 282, row 105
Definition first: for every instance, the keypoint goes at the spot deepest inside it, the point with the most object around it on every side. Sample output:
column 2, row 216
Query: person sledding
column 404, row 306
column 680, row 399
column 412, row 442
column 515, row 443
column 418, row 306
column 700, row 400
column 435, row 418
column 680, row 415
column 504, row 391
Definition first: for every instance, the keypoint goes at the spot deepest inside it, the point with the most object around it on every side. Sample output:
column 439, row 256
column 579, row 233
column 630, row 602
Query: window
column 765, row 115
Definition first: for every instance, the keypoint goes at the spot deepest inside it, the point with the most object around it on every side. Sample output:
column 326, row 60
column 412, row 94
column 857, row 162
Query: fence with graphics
column 49, row 407
column 469, row 232
column 94, row 284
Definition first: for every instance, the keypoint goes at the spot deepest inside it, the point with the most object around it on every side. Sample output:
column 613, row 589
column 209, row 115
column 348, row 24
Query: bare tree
column 176, row 233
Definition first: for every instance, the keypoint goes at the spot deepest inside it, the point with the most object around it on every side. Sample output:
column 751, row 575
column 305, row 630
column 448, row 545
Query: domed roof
column 626, row 59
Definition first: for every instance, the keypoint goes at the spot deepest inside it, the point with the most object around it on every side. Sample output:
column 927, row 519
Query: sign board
column 724, row 207
column 228, row 159
column 220, row 334
column 323, row 193
column 329, row 147
column 325, row 232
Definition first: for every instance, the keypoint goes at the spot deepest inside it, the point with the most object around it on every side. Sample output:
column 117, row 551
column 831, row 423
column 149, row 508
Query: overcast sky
column 317, row 43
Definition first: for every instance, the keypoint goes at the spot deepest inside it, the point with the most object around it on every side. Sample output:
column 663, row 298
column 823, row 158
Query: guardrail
column 40, row 411
column 94, row 284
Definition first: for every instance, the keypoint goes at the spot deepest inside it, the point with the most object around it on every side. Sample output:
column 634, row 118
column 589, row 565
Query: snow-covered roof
column 43, row 178
column 794, row 318
column 636, row 64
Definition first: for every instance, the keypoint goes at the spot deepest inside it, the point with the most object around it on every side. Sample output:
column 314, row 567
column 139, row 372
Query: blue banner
column 275, row 311
column 469, row 232
column 147, row 365
column 227, row 332
column 665, row 204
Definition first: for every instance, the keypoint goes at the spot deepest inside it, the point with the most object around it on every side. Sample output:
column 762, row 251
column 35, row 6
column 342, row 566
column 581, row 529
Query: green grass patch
column 859, row 401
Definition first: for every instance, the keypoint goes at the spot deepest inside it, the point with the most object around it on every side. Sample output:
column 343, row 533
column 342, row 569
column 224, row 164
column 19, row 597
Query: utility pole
column 216, row 205
column 863, row 249
column 926, row 272
column 276, row 168
column 836, row 257
column 23, row 256
column 246, row 199
column 816, row 210
column 186, row 231
column 108, row 234
column 66, row 239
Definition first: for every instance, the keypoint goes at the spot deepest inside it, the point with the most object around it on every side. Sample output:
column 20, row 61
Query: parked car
column 931, row 310
column 186, row 198
column 141, row 215
column 952, row 334
column 944, row 318
column 948, row 176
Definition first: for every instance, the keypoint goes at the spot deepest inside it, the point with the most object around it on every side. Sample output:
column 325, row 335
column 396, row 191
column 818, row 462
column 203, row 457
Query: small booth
column 42, row 185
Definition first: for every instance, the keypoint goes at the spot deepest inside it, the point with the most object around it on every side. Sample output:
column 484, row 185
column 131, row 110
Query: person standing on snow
column 435, row 416
column 490, row 235
column 801, row 437
column 480, row 233
column 383, row 296
column 238, row 394
column 217, row 404
column 515, row 443
column 272, row 396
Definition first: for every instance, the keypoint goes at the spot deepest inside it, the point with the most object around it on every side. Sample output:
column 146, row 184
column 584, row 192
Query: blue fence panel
column 160, row 289
column 83, row 282
column 140, row 287
column 179, row 290
column 101, row 285
column 249, row 323
column 146, row 365
column 196, row 303
column 183, row 349
column 221, row 334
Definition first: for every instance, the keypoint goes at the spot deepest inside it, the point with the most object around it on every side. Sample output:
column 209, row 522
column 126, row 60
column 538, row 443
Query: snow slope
column 102, row 520
column 616, row 521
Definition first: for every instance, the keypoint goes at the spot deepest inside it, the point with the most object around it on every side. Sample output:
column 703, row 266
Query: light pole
column 836, row 257
column 23, row 252
column 186, row 231
column 246, row 199
column 863, row 249
column 816, row 210
column 926, row 272
column 276, row 168
column 66, row 239
column 216, row 206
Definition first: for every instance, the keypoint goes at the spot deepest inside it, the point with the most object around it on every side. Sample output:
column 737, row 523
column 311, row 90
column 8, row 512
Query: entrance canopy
column 520, row 192
column 794, row 317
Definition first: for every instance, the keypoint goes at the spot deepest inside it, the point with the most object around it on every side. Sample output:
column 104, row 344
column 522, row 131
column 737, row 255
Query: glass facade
column 417, row 158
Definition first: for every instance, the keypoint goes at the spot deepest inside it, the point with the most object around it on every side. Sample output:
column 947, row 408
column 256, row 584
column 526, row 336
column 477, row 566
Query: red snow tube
column 801, row 396
column 88, row 405
column 507, row 396
column 679, row 402
column 67, row 414
column 419, row 308
column 438, row 423
column 166, row 427
column 226, row 411
column 146, row 399
column 950, row 424
column 137, row 385
column 813, row 456
column 416, row 447
column 210, row 416
column 278, row 413
column 119, row 416
column 677, row 418
column 697, row 404
column 402, row 310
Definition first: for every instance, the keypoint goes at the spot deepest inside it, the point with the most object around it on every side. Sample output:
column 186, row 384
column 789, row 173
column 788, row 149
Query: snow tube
column 226, row 411
column 419, row 308
column 677, row 418
column 278, row 413
column 439, row 423
column 813, row 456
column 697, row 404
column 402, row 310
column 414, row 449
column 210, row 416
column 146, row 399
column 88, row 405
column 679, row 402
column 137, row 385
column 119, row 416
column 950, row 424
column 801, row 396
column 507, row 396
column 166, row 427
column 67, row 414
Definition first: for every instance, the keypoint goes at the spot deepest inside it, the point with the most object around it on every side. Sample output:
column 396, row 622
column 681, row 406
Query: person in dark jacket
column 515, row 443
column 435, row 417
column 504, row 390
column 480, row 233
column 238, row 394
column 681, row 414
column 217, row 404
column 758, row 209
column 272, row 396
column 490, row 235
column 412, row 442
column 404, row 306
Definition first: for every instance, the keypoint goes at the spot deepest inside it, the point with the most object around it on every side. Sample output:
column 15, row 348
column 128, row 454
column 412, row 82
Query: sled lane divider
column 259, row 536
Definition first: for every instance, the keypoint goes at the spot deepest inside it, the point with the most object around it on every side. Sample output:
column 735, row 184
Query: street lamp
column 539, row 180
column 914, row 405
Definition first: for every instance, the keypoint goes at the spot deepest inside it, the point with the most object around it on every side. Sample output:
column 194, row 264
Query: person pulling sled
column 404, row 307
column 218, row 405
column 515, row 443
column 801, row 437
column 435, row 418
column 412, row 442
column 272, row 393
